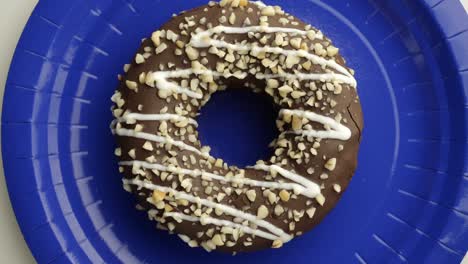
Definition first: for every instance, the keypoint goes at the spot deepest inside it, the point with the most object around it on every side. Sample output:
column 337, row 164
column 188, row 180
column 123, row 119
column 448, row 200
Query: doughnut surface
column 205, row 201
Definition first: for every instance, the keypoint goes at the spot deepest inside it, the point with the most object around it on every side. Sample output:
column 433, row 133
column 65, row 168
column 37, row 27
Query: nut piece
column 330, row 164
column 131, row 85
column 142, row 78
column 337, row 188
column 311, row 212
column 118, row 152
column 217, row 240
column 279, row 210
column 320, row 199
column 272, row 197
column 243, row 2
column 132, row 154
column 158, row 196
column 139, row 59
column 156, row 38
column 148, row 146
column 161, row 48
column 279, row 39
column 324, row 176
column 224, row 3
column 296, row 123
column 332, row 51
column 277, row 244
column 285, row 90
column 284, row 195
column 268, row 11
column 219, row 163
column 311, row 34
column 192, row 53
column 251, row 195
column 192, row 243
column 232, row 18
column 272, row 83
column 292, row 60
column 262, row 212
column 296, row 43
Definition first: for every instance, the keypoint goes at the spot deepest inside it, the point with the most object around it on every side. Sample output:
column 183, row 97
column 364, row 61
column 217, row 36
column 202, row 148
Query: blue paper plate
column 408, row 201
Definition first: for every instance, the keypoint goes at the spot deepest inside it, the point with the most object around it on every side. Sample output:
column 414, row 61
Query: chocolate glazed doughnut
column 201, row 198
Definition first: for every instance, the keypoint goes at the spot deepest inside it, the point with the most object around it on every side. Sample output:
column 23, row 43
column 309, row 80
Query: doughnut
column 208, row 203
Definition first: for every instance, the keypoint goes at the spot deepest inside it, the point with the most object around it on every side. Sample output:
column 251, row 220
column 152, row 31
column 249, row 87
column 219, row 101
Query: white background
column 13, row 16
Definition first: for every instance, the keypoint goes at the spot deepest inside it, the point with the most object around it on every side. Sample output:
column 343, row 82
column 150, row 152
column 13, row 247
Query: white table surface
column 13, row 17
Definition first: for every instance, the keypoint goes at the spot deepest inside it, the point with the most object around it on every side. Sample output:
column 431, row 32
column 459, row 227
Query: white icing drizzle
column 131, row 117
column 337, row 130
column 155, row 138
column 219, row 222
column 203, row 40
column 323, row 77
column 202, row 36
column 161, row 80
column 310, row 189
column 283, row 236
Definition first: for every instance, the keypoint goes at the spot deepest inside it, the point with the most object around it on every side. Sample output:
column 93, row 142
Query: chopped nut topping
column 268, row 11
column 285, row 90
column 158, row 196
column 222, row 20
column 337, row 188
column 251, row 195
column 311, row 34
column 262, row 212
column 192, row 243
column 296, row 43
column 131, row 85
column 284, row 195
column 320, row 199
column 161, row 48
column 219, row 163
column 139, row 59
column 330, row 164
column 217, row 240
column 296, row 123
column 277, row 244
column 279, row 210
column 311, row 212
column 192, row 53
column 291, row 60
column 324, row 176
column 118, row 152
column 132, row 154
column 232, row 18
column 170, row 35
column 138, row 128
column 332, row 51
column 156, row 38
column 272, row 197
column 148, row 146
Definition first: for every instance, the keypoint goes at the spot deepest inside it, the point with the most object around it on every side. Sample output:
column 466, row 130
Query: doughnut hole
column 239, row 125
